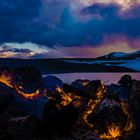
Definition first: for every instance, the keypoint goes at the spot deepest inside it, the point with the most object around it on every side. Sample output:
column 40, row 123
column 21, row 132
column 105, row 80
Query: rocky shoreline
column 37, row 108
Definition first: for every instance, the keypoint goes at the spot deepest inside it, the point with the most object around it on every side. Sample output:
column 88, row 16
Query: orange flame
column 113, row 133
column 92, row 104
column 65, row 98
column 6, row 79
column 27, row 95
column 130, row 126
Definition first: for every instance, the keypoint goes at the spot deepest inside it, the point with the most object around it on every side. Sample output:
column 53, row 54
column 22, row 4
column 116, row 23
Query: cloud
column 17, row 18
column 20, row 50
column 15, row 50
column 54, row 23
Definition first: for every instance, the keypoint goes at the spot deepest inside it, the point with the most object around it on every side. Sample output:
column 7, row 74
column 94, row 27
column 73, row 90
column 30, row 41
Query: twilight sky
column 68, row 28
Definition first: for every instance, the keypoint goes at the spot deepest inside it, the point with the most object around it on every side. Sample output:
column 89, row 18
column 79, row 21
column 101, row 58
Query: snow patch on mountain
column 119, row 54
column 133, row 64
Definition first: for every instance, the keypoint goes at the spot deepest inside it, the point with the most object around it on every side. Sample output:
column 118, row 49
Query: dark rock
column 134, row 104
column 6, row 96
column 125, row 80
column 28, row 78
column 33, row 107
column 88, row 90
column 17, row 126
column 92, row 87
column 75, row 91
column 109, row 112
column 122, row 91
column 52, row 82
column 79, row 84
column 61, row 121
column 84, row 134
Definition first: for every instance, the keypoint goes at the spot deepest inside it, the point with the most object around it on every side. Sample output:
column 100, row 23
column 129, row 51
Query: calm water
column 110, row 77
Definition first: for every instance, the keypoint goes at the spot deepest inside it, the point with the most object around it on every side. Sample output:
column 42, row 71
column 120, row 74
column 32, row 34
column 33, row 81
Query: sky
column 68, row 28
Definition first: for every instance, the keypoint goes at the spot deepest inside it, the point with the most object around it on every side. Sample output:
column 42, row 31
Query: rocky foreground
column 36, row 108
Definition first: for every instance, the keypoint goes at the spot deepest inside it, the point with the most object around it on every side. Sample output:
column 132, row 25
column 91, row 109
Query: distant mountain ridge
column 113, row 62
column 120, row 55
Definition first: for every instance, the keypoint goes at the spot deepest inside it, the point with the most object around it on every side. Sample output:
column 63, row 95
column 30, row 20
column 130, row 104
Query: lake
column 105, row 77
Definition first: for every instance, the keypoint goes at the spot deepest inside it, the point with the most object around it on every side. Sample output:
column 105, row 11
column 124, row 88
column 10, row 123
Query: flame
column 92, row 104
column 60, row 90
column 65, row 98
column 27, row 95
column 113, row 132
column 130, row 126
column 6, row 79
column 85, row 82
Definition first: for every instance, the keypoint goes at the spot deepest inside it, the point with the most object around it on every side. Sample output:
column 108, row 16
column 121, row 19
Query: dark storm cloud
column 54, row 24
column 16, row 18
column 15, row 50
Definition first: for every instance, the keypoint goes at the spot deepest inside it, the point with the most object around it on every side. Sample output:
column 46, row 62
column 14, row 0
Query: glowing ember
column 59, row 89
column 85, row 82
column 6, row 78
column 27, row 95
column 130, row 124
column 113, row 133
column 92, row 104
column 65, row 98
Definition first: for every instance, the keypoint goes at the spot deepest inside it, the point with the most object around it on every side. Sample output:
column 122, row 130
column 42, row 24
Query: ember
column 65, row 98
column 113, row 133
column 6, row 78
column 27, row 95
column 92, row 104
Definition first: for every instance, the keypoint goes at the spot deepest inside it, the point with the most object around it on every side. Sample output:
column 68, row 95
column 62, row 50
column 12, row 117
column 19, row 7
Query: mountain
column 117, row 59
column 121, row 55
column 55, row 66
column 113, row 62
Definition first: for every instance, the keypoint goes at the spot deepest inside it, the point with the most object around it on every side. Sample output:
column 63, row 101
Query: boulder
column 134, row 104
column 6, row 96
column 60, row 121
column 15, row 125
column 79, row 84
column 107, row 113
column 28, row 79
column 52, row 82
